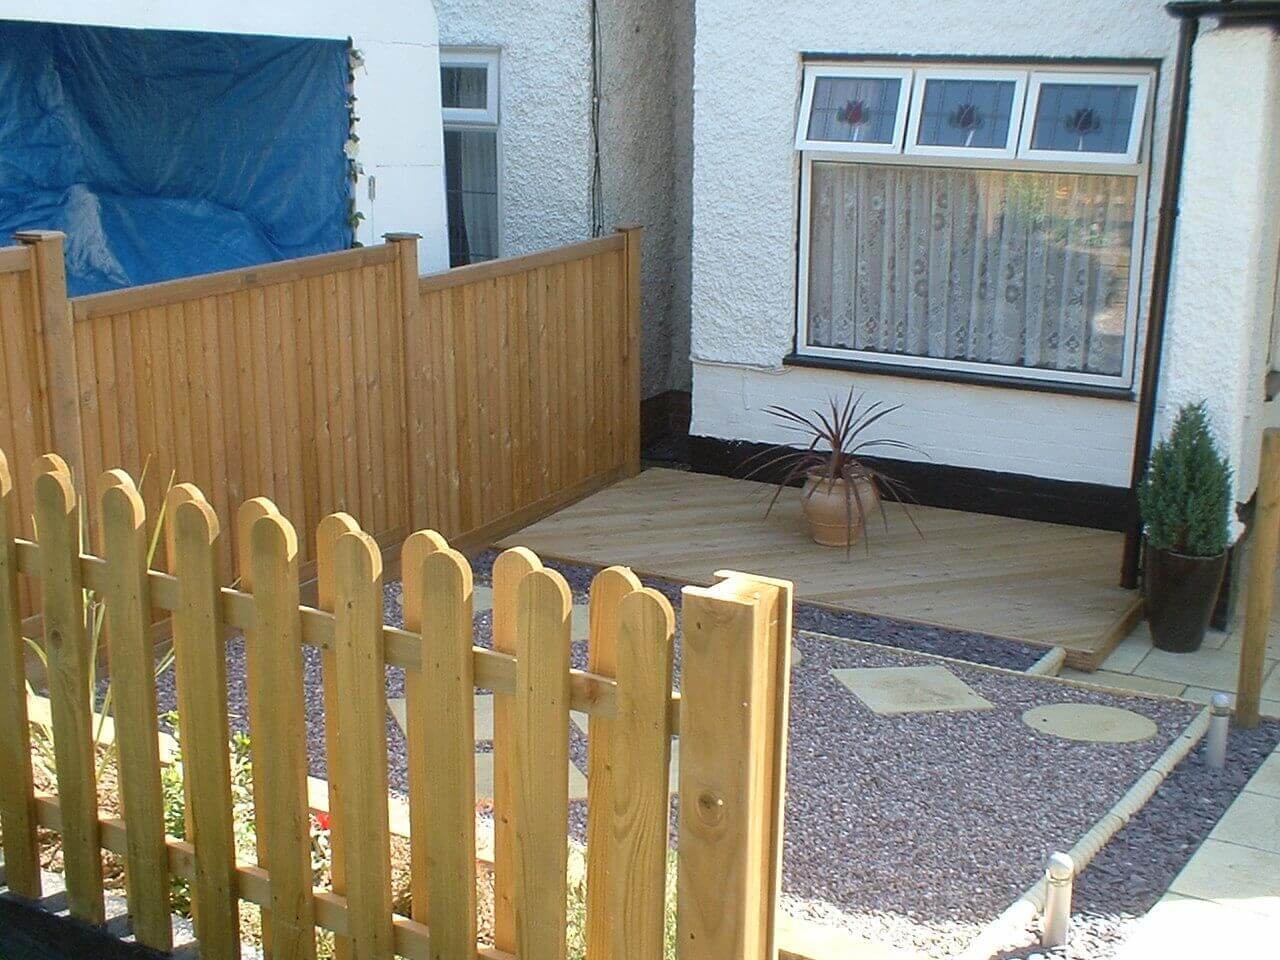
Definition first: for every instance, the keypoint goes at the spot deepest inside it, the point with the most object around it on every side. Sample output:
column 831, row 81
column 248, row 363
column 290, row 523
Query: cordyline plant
column 836, row 438
column 1185, row 497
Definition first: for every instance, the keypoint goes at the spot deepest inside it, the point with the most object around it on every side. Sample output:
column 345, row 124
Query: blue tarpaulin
column 165, row 154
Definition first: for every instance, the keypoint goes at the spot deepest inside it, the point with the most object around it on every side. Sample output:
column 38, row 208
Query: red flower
column 854, row 113
column 323, row 820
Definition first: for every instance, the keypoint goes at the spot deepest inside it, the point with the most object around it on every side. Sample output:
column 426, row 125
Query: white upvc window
column 469, row 94
column 469, row 85
column 995, row 229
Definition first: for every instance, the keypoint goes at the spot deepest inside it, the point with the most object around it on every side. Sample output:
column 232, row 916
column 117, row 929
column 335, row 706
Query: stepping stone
column 673, row 769
column 1089, row 722
column 894, row 690
column 484, row 778
column 484, row 715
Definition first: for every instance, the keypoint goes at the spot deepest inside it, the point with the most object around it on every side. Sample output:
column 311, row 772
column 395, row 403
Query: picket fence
column 472, row 401
column 731, row 717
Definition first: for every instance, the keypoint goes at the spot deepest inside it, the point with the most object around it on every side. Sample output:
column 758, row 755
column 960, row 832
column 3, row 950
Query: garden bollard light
column 1215, row 750
column 1057, row 899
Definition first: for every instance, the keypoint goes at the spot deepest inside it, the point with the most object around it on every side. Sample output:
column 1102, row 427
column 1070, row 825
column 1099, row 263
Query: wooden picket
column 731, row 719
column 17, row 815
column 69, row 656
column 543, row 613
column 127, row 598
column 201, row 672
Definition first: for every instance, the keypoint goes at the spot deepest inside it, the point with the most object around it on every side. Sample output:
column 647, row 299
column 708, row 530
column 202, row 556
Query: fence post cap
column 1220, row 705
column 392, row 237
column 38, row 236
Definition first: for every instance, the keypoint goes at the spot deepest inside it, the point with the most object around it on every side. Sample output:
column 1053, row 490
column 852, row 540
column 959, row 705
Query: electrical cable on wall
column 597, row 177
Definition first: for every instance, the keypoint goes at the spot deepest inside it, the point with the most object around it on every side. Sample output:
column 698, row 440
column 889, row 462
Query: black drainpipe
column 1189, row 14
column 1163, row 257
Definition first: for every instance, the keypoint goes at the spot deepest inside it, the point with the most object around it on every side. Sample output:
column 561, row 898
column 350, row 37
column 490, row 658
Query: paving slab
column 1089, row 722
column 918, row 689
column 1216, row 669
column 1252, row 821
column 1233, row 875
column 484, row 779
column 484, row 715
column 1267, row 779
column 1184, row 928
column 1125, row 681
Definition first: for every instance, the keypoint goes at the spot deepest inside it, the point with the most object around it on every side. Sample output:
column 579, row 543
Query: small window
column 1084, row 118
column 469, row 86
column 472, row 157
column 966, row 113
column 853, row 110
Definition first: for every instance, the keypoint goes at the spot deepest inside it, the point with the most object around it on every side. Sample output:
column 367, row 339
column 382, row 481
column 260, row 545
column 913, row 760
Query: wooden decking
column 1038, row 582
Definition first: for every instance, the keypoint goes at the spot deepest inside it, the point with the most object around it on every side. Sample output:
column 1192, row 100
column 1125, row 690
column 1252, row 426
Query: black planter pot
column 1180, row 595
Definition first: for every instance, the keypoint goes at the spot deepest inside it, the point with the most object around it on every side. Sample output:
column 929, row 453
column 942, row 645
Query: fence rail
column 731, row 720
column 472, row 402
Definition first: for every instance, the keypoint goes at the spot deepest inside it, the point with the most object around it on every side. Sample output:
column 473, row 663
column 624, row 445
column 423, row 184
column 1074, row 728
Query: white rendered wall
column 397, row 90
column 1220, row 310
column 745, row 183
column 545, row 136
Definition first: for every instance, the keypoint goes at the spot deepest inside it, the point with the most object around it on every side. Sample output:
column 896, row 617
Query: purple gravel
column 912, row 830
column 1133, row 871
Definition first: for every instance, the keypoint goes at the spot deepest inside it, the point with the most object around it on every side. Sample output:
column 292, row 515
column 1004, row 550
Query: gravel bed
column 923, row 831
column 1133, row 871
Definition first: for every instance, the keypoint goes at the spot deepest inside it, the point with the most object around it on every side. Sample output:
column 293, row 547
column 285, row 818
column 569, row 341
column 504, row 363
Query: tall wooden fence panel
column 529, row 394
column 284, row 381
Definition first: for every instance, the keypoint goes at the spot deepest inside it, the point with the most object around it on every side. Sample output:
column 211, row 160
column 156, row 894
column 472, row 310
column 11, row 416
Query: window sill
column 957, row 376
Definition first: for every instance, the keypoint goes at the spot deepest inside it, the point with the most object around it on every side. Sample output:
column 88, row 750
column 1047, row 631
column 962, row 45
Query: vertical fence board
column 201, row 669
column 280, row 740
column 247, row 517
column 449, row 714
column 542, row 765
column 420, row 763
column 128, row 625
column 508, row 571
column 358, row 645
column 330, row 529
column 608, row 589
column 17, row 814
column 67, row 649
column 641, row 801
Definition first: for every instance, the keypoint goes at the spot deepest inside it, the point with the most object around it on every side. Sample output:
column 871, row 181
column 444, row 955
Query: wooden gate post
column 736, row 661
column 58, row 346
column 1260, row 589
column 414, row 352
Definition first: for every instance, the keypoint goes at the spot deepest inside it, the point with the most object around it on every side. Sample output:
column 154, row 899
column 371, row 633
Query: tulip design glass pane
column 854, row 109
column 1084, row 117
column 966, row 113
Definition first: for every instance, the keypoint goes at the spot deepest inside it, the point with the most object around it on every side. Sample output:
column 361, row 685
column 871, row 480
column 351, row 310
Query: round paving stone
column 1090, row 722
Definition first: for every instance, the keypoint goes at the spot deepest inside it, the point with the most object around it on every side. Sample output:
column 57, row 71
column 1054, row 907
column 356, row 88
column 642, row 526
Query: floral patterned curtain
column 1002, row 267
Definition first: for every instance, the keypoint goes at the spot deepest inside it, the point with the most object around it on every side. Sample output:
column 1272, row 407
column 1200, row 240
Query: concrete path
column 1226, row 901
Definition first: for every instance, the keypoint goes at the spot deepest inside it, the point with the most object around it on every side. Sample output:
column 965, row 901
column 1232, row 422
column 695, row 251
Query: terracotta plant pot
column 826, row 509
column 1180, row 594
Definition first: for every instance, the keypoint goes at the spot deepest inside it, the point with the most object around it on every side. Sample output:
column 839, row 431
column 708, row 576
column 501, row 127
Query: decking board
column 1042, row 583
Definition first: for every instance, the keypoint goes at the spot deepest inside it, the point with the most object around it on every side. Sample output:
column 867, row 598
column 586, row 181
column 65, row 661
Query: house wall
column 546, row 141
column 1218, row 342
column 397, row 90
column 745, row 189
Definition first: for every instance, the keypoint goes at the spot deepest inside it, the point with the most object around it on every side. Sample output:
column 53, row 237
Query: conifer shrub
column 1185, row 498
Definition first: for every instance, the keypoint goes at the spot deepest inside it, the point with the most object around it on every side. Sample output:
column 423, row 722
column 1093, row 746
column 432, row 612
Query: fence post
column 415, row 370
column 58, row 345
column 1260, row 590
column 736, row 658
column 634, row 235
